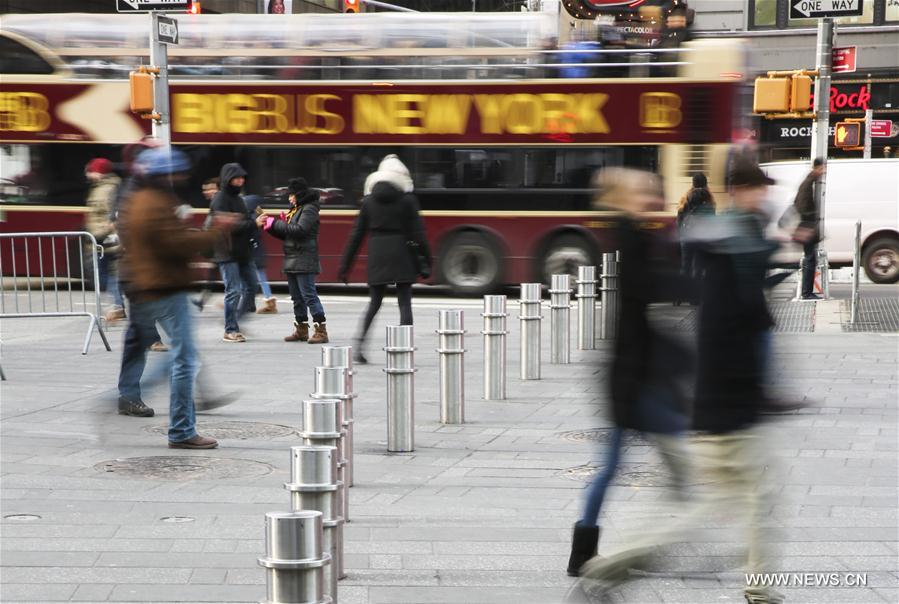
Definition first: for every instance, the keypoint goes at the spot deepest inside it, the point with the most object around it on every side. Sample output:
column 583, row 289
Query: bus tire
column 471, row 263
column 564, row 254
column 881, row 260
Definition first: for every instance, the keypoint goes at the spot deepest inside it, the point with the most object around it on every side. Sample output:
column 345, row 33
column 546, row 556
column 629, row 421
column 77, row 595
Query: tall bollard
column 560, row 319
column 856, row 268
column 400, row 372
column 586, row 307
column 322, row 426
column 334, row 382
column 342, row 356
column 494, row 348
column 451, row 331
column 294, row 558
column 313, row 486
column 530, row 317
column 608, row 310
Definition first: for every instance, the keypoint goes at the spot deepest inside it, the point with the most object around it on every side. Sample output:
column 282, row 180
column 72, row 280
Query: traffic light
column 847, row 134
column 351, row 6
column 772, row 95
column 800, row 93
column 195, row 8
column 142, row 98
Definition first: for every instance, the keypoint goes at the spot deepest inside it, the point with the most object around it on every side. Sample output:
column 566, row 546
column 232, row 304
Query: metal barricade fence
column 50, row 259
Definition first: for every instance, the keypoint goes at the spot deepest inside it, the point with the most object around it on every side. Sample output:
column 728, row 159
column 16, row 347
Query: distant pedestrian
column 298, row 228
column 696, row 202
column 398, row 251
column 234, row 257
column 808, row 233
column 210, row 188
column 104, row 185
column 254, row 210
column 158, row 249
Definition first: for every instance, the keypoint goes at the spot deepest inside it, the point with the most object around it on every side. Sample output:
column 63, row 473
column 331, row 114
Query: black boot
column 584, row 541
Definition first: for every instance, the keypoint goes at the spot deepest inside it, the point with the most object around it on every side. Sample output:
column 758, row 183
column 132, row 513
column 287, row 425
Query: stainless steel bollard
column 451, row 331
column 823, row 269
column 314, row 486
column 400, row 372
column 586, row 307
column 560, row 319
column 294, row 559
column 335, row 381
column 494, row 348
column 530, row 317
column 342, row 356
column 856, row 269
column 323, row 427
column 608, row 310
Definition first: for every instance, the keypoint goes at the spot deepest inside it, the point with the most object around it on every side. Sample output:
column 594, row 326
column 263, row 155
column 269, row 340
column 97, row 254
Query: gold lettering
column 315, row 106
column 271, row 116
column 660, row 110
column 523, row 113
column 489, row 108
column 590, row 112
column 559, row 113
column 447, row 113
column 238, row 113
column 24, row 112
column 370, row 114
column 193, row 112
column 406, row 108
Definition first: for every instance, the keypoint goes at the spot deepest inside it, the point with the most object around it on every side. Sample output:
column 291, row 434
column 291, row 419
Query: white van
column 857, row 189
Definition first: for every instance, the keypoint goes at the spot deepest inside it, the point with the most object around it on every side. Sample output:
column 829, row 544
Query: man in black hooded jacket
column 235, row 256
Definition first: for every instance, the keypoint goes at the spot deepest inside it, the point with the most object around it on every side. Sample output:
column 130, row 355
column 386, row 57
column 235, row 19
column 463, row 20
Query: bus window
column 15, row 58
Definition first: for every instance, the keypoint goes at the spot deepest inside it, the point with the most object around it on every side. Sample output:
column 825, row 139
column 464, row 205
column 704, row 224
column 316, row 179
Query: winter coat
column 100, row 207
column 807, row 208
column 648, row 365
column 253, row 202
column 300, row 235
column 733, row 320
column 158, row 246
column 238, row 247
column 696, row 202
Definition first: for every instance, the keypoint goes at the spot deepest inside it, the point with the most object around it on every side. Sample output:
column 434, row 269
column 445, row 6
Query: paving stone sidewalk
column 479, row 513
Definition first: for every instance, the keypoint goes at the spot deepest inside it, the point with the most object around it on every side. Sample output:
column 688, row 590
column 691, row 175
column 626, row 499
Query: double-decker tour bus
column 500, row 128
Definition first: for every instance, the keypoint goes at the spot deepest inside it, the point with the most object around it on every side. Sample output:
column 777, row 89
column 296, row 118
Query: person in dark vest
column 298, row 228
column 808, row 233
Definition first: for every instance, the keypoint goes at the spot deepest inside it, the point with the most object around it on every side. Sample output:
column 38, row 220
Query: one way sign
column 142, row 6
column 805, row 9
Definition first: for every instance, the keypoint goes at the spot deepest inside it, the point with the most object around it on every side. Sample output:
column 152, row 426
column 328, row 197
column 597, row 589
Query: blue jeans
column 305, row 297
column 596, row 492
column 263, row 282
column 240, row 291
column 173, row 313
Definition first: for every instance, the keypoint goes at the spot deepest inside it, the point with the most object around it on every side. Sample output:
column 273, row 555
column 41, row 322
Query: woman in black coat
column 298, row 228
column 398, row 251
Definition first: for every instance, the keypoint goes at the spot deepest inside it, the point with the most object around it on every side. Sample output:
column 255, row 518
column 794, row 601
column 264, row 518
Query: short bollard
column 530, row 317
column 322, row 427
column 334, row 382
column 494, row 348
column 560, row 319
column 313, row 486
column 294, row 559
column 451, row 351
column 400, row 372
column 586, row 307
column 342, row 356
column 608, row 310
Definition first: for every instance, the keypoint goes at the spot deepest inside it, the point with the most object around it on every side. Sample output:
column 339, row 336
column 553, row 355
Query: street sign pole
column 159, row 57
column 822, row 110
column 869, row 119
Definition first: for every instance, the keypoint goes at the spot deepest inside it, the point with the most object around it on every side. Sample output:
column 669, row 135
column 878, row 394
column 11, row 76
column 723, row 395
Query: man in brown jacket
column 808, row 233
column 158, row 248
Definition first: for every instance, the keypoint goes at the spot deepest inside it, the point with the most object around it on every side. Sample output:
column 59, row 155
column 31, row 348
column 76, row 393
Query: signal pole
column 159, row 57
column 821, row 129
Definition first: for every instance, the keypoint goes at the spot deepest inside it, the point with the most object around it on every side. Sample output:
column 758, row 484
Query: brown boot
column 300, row 332
column 321, row 334
column 270, row 307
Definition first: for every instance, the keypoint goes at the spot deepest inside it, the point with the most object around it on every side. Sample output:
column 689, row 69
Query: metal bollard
column 608, row 310
column 314, row 486
column 586, row 307
column 400, row 372
column 334, row 382
column 856, row 268
column 451, row 330
column 494, row 347
column 530, row 317
column 294, row 559
column 823, row 269
column 322, row 426
column 560, row 319
column 342, row 356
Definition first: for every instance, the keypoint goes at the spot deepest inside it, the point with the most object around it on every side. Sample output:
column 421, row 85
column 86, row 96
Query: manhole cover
column 603, row 435
column 183, row 468
column 628, row 475
column 235, row 430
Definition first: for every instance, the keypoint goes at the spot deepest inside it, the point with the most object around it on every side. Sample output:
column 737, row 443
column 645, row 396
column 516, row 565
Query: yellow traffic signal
column 141, row 92
column 847, row 134
column 772, row 95
column 800, row 93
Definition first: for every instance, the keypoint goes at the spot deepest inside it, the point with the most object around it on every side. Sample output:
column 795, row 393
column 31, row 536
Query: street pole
column 821, row 130
column 869, row 117
column 159, row 57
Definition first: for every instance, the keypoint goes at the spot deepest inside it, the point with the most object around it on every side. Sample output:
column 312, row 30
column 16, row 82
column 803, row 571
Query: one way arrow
column 800, row 6
column 135, row 4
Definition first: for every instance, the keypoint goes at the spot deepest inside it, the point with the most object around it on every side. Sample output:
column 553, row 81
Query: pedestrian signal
column 351, row 6
column 141, row 92
column 847, row 134
column 772, row 95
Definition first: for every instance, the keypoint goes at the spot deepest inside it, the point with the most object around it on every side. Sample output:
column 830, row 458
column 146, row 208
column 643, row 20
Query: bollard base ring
column 451, row 332
column 295, row 487
column 320, row 435
column 326, row 599
column 390, row 371
column 451, row 350
column 399, row 349
column 295, row 564
column 530, row 317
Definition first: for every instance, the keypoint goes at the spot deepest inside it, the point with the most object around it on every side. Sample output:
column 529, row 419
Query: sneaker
column 811, row 297
column 134, row 408
column 197, row 442
column 158, row 347
column 359, row 358
column 234, row 336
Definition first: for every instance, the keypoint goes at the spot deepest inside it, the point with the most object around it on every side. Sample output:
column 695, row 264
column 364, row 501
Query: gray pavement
column 479, row 513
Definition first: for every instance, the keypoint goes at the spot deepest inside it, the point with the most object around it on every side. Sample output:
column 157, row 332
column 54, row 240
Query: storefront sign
column 881, row 128
column 844, row 59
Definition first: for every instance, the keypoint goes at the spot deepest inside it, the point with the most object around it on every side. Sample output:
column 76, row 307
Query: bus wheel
column 881, row 260
column 564, row 255
column 471, row 264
